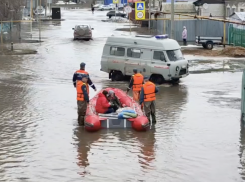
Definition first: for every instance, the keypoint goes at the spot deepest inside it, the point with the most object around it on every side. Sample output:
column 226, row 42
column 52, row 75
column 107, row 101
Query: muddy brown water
column 197, row 137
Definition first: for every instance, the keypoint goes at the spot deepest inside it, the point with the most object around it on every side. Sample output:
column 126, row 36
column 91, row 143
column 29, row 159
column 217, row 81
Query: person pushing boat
column 136, row 84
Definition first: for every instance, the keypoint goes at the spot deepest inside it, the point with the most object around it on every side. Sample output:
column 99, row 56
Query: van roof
column 143, row 41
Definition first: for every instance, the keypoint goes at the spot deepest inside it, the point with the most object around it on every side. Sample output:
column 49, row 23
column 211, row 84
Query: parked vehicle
column 83, row 32
column 60, row 2
column 39, row 11
column 105, row 7
column 209, row 42
column 119, row 6
column 70, row 2
column 156, row 56
column 118, row 14
column 97, row 5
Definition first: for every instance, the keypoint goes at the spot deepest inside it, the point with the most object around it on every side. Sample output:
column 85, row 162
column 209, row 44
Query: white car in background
column 105, row 7
column 70, row 2
column 97, row 5
column 60, row 2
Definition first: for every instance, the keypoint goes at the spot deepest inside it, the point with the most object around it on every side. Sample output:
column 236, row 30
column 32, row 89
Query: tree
column 11, row 9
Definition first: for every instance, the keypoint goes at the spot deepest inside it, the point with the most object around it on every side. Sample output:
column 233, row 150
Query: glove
column 74, row 85
column 112, row 105
column 95, row 89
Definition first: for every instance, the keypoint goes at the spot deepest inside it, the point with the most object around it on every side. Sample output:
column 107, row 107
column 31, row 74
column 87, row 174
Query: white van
column 156, row 56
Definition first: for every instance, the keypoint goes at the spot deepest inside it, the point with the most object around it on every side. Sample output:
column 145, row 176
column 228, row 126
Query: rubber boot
column 149, row 119
column 154, row 121
column 81, row 120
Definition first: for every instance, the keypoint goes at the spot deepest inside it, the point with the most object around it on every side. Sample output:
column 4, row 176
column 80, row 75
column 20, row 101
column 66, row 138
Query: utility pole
column 11, row 24
column 149, row 24
column 172, row 19
column 22, row 15
column 31, row 15
column 39, row 23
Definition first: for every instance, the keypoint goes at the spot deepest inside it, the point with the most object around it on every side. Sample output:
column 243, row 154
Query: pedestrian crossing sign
column 115, row 1
column 140, row 6
column 140, row 10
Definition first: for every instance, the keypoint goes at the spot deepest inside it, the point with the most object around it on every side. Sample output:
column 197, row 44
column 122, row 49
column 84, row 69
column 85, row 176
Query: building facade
column 233, row 6
column 219, row 8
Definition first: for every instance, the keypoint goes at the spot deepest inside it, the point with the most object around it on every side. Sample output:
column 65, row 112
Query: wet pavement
column 197, row 137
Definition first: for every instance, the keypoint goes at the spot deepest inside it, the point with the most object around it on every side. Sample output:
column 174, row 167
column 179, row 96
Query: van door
column 145, row 62
column 116, row 58
column 133, row 60
column 159, row 66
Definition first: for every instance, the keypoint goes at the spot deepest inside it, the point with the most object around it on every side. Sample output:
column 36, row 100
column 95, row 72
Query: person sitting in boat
column 103, row 105
column 114, row 100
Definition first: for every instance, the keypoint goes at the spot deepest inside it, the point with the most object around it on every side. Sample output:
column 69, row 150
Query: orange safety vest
column 138, row 80
column 82, row 72
column 149, row 91
column 80, row 95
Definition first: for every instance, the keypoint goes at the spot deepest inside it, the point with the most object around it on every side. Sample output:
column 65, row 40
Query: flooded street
column 197, row 136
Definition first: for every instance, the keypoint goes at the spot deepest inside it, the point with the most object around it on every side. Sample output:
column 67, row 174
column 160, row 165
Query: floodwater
column 197, row 136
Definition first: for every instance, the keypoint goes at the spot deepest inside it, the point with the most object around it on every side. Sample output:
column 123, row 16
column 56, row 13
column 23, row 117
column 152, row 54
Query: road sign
column 115, row 2
column 128, row 9
column 140, row 6
column 140, row 10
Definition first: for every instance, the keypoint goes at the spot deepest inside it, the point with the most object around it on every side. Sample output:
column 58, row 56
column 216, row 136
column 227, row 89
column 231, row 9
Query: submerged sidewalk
column 4, row 51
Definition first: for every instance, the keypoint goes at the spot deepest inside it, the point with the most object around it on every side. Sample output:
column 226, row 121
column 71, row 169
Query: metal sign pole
column 130, row 23
column 2, row 35
column 115, row 12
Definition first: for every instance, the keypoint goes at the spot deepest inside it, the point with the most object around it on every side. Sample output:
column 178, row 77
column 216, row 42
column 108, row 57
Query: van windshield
column 174, row 55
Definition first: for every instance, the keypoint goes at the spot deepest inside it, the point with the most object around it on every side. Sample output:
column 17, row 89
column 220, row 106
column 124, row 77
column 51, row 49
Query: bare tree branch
column 11, row 9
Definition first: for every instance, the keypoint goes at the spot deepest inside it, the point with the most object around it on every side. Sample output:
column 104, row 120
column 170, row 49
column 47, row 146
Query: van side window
column 159, row 55
column 117, row 51
column 134, row 53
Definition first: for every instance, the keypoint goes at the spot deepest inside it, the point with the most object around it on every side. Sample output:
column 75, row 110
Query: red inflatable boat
column 95, row 121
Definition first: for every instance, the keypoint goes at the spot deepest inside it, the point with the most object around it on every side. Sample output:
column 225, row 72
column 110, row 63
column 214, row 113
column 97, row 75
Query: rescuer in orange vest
column 136, row 82
column 148, row 97
column 79, row 74
column 82, row 98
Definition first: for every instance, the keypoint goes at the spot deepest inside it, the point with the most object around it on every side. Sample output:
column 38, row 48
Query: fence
column 195, row 28
column 5, row 27
column 12, row 32
column 237, row 35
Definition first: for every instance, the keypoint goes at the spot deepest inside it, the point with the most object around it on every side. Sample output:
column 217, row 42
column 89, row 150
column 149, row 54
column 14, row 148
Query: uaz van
column 156, row 56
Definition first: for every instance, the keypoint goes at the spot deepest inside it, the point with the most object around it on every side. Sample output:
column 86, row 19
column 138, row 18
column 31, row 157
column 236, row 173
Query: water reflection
column 141, row 144
column 171, row 102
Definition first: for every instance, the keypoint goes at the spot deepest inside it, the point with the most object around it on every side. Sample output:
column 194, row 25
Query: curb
column 18, row 52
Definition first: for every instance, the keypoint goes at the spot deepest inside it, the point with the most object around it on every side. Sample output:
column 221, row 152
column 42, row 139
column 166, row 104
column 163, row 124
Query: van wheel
column 158, row 79
column 117, row 76
column 175, row 81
